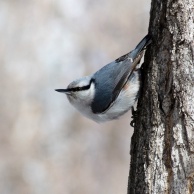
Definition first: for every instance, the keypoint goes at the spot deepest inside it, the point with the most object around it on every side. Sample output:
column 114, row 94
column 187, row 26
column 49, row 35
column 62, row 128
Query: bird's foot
column 134, row 116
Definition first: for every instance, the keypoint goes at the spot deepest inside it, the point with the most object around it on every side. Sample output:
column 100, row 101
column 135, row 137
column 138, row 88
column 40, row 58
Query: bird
column 111, row 91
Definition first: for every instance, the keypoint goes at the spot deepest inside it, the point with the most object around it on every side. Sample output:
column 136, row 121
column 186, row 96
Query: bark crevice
column 162, row 146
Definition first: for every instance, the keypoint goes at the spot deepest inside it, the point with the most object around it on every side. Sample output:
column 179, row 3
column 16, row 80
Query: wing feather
column 110, row 79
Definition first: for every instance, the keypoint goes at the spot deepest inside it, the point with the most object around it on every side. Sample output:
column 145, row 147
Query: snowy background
column 46, row 146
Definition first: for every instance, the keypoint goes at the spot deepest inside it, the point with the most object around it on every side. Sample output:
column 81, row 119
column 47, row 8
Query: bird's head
column 80, row 91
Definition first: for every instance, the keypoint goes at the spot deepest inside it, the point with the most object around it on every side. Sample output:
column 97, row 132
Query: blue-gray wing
column 110, row 79
column 108, row 83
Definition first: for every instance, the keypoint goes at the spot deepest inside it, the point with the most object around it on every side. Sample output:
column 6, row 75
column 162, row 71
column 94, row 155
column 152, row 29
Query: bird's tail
column 141, row 46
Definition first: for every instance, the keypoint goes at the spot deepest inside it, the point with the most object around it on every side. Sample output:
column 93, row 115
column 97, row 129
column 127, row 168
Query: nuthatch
column 112, row 90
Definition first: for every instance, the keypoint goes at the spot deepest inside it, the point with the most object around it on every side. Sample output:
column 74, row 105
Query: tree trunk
column 162, row 147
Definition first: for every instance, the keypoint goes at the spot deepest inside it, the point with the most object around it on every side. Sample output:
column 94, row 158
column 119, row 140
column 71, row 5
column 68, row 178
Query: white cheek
column 83, row 100
column 87, row 95
column 83, row 94
column 92, row 91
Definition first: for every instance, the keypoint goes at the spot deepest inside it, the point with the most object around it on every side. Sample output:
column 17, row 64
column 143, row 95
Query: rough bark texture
column 162, row 148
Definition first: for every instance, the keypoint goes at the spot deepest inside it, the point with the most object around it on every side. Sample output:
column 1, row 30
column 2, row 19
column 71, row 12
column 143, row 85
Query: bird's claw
column 134, row 116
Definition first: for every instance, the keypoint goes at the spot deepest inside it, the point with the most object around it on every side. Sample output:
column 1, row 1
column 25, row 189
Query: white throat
column 83, row 99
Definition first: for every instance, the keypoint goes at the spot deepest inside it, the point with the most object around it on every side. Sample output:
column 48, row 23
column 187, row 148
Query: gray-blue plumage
column 112, row 91
column 110, row 79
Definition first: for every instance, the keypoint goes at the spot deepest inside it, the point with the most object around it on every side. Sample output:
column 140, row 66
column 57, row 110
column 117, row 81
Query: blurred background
column 46, row 146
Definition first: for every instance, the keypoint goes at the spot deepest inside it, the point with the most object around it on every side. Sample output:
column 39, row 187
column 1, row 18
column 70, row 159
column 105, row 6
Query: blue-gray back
column 110, row 79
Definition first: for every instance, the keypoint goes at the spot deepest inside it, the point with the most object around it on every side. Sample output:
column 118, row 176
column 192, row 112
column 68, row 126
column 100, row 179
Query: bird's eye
column 79, row 88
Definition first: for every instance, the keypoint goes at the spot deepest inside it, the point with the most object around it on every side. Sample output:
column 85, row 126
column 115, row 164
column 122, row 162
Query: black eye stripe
column 76, row 89
column 79, row 88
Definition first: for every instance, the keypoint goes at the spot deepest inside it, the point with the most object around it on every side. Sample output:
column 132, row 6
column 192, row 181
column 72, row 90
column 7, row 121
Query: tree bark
column 162, row 146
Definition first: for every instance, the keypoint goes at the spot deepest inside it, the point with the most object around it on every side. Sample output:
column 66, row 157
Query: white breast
column 123, row 103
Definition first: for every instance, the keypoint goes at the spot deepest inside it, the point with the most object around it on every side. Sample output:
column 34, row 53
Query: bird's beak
column 66, row 91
